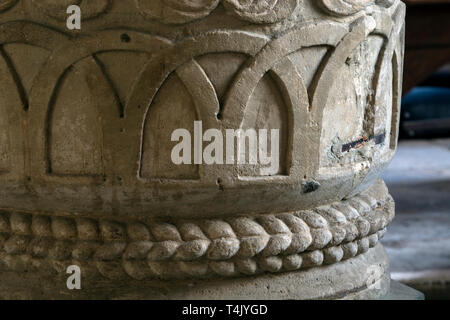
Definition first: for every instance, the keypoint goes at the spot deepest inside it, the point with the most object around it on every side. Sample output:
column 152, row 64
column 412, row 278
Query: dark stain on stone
column 125, row 38
column 309, row 186
column 378, row 139
column 219, row 184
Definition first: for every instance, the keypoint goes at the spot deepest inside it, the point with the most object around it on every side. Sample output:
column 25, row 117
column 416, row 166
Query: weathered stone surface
column 86, row 118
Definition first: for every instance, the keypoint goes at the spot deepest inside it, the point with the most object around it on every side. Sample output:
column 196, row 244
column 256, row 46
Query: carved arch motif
column 304, row 104
column 112, row 134
column 384, row 113
column 268, row 56
column 18, row 74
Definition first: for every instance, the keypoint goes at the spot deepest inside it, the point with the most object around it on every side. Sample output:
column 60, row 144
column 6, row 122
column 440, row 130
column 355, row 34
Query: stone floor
column 418, row 241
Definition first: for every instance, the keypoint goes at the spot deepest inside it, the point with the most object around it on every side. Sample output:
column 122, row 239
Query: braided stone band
column 235, row 246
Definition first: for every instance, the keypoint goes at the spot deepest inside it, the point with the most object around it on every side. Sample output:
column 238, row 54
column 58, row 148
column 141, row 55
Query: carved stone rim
column 245, row 245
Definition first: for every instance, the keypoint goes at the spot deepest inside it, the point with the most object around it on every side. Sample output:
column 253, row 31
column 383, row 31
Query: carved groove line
column 391, row 31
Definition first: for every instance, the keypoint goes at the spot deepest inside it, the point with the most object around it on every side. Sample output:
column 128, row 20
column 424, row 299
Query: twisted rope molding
column 245, row 245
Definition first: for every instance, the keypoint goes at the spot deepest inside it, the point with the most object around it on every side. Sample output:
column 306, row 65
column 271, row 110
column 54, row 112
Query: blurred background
column 418, row 241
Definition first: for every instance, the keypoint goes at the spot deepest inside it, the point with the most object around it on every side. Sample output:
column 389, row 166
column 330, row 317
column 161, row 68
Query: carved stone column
column 85, row 144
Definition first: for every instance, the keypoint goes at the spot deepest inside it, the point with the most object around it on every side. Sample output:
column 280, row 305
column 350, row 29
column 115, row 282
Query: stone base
column 330, row 252
column 363, row 277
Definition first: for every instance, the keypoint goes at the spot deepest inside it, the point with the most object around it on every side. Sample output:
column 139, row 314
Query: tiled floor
column 418, row 241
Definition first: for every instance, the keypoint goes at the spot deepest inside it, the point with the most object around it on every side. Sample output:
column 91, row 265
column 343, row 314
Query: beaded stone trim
column 243, row 245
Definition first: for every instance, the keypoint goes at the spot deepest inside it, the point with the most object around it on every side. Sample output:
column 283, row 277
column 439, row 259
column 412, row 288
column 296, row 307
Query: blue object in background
column 426, row 112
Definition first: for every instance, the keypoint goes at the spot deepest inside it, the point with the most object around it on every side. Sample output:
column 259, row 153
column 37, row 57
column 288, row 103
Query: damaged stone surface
column 86, row 118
